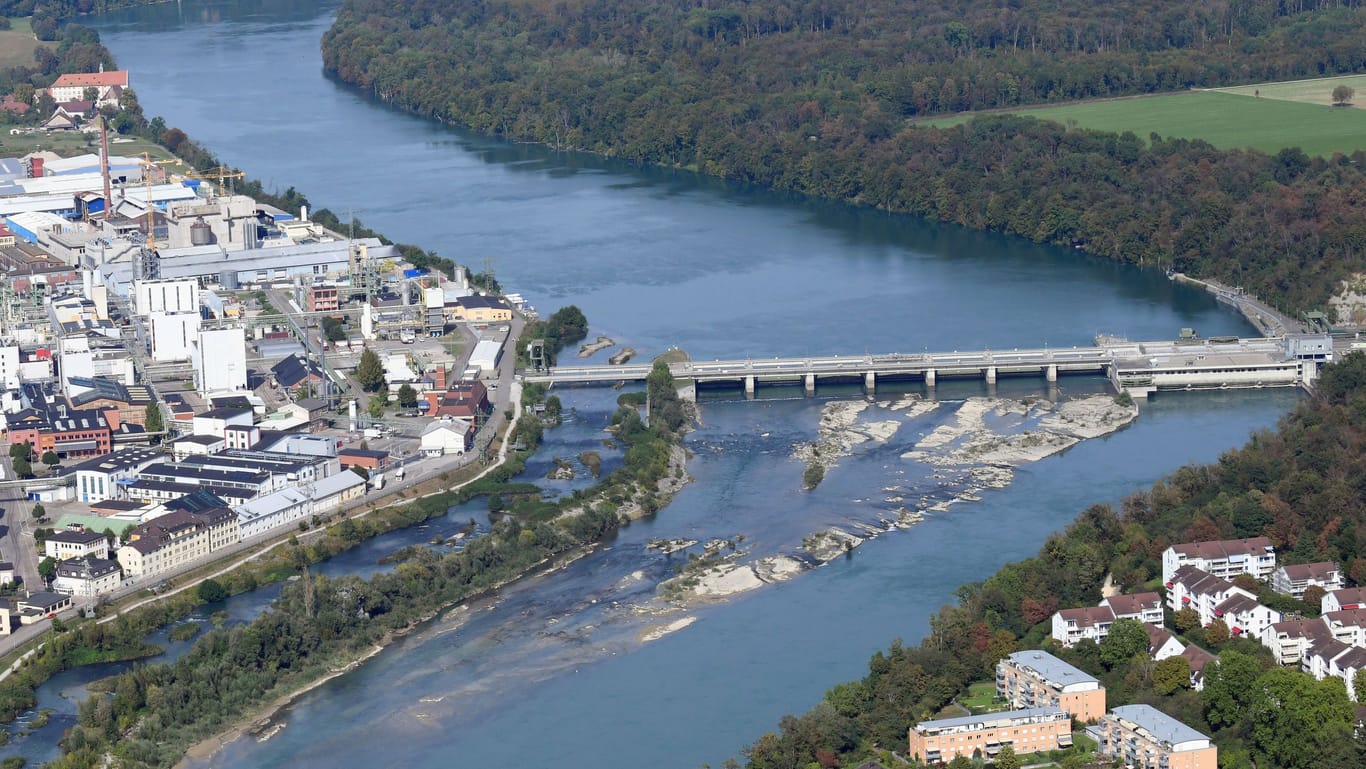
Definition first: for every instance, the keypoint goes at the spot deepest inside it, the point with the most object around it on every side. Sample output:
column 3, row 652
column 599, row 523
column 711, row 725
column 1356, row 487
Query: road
column 506, row 395
column 17, row 544
column 420, row 470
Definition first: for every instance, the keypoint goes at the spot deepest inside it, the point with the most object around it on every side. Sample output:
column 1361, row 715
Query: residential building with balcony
column 1032, row 730
column 1291, row 640
column 1035, row 679
column 1346, row 598
column 1143, row 737
column 1093, row 623
column 1294, row 579
column 1214, row 598
column 1225, row 558
column 1347, row 626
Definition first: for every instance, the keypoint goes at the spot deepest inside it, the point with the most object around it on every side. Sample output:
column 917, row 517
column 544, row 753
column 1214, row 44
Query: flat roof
column 1051, row 668
column 990, row 718
column 1159, row 724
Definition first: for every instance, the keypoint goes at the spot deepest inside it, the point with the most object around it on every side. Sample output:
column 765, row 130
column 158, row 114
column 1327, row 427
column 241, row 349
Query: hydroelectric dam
column 1138, row 368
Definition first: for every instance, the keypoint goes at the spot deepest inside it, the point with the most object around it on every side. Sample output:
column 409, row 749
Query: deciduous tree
column 1127, row 638
column 1171, row 674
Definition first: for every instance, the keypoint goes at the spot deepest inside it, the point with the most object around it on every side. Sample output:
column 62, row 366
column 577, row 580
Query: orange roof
column 117, row 77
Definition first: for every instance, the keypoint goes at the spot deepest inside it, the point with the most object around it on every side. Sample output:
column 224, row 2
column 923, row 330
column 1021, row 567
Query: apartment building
column 1032, row 730
column 87, row 577
column 1033, row 679
column 1294, row 579
column 175, row 539
column 1291, row 640
column 1346, row 598
column 1143, row 737
column 1093, row 623
column 1338, row 660
column 1225, row 559
column 1214, row 597
column 77, row 542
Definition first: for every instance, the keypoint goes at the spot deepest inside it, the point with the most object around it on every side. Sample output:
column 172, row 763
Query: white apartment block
column 1346, row 598
column 1293, row 580
column 1214, row 598
column 1093, row 623
column 1225, row 558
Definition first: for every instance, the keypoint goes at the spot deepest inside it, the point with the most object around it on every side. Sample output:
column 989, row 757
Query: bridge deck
column 1067, row 359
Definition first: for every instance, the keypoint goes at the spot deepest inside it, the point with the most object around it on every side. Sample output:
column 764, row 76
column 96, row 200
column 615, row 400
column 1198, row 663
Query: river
column 554, row 671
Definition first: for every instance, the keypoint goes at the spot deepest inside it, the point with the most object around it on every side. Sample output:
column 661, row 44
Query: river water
column 556, row 670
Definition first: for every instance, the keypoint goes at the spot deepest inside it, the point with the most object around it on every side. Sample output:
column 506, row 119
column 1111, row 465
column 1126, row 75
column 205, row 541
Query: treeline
column 1300, row 485
column 813, row 97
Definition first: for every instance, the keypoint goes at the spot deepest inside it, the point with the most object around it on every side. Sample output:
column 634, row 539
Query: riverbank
column 265, row 718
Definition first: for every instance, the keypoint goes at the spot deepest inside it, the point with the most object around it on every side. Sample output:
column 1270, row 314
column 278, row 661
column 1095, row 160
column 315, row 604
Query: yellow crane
column 221, row 173
column 148, row 165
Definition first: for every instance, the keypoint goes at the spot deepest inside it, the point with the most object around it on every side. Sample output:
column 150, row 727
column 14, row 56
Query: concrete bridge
column 1140, row 368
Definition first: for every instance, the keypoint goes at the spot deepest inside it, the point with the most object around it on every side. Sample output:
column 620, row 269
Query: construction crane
column 221, row 173
column 148, row 164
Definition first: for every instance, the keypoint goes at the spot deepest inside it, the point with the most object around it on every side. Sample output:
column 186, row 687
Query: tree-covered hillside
column 1301, row 485
column 815, row 96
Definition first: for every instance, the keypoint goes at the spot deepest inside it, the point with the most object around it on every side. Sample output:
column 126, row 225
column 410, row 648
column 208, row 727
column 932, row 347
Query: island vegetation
column 1299, row 485
column 319, row 625
column 817, row 97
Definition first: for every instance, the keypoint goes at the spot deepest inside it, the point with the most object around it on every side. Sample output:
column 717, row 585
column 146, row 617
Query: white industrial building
column 486, row 355
column 165, row 296
column 220, row 360
column 9, row 367
column 173, row 335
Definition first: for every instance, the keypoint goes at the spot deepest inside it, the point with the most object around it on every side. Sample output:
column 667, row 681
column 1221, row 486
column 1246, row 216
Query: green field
column 17, row 44
column 71, row 143
column 1223, row 118
column 1317, row 91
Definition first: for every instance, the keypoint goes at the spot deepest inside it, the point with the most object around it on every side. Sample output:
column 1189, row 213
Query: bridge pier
column 929, row 378
column 749, row 386
column 810, row 384
column 870, row 382
column 1051, row 373
column 991, row 375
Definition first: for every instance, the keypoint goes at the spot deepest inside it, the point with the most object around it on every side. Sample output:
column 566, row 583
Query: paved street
column 17, row 542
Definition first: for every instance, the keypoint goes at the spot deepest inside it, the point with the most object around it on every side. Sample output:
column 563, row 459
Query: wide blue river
column 572, row 669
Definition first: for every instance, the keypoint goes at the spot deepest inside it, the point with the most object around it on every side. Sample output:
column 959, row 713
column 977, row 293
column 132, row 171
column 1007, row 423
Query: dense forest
column 1301, row 485
column 815, row 96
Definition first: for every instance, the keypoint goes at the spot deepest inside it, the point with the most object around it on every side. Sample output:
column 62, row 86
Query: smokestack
column 104, row 165
column 303, row 213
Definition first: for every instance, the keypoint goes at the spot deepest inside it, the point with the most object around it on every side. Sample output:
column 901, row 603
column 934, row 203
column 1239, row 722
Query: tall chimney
column 104, row 166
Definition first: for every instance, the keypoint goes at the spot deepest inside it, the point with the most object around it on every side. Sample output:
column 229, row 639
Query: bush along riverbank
column 1300, row 486
column 321, row 625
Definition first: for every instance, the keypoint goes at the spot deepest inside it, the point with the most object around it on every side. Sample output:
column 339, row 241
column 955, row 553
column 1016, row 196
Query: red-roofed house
column 108, row 85
column 13, row 106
